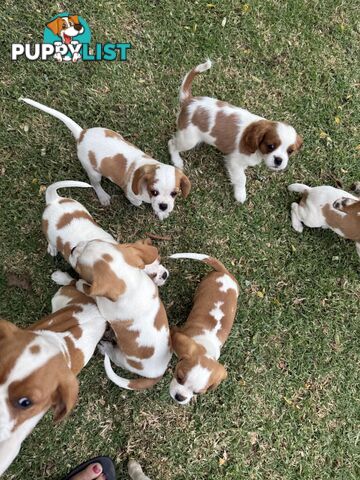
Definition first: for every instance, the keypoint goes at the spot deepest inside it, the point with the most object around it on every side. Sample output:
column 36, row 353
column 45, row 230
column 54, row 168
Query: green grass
column 290, row 407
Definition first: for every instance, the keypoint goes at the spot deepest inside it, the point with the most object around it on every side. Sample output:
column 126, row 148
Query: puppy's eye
column 173, row 194
column 71, row 24
column 271, row 147
column 154, row 193
column 64, row 25
column 290, row 151
column 23, row 402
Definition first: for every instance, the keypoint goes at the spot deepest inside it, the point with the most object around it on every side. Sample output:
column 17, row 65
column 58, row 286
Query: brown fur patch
column 63, row 320
column 257, row 136
column 138, row 254
column 143, row 383
column 77, row 358
column 127, row 340
column 105, row 282
column 107, row 257
column 161, row 319
column 66, row 200
column 67, row 218
column 184, row 115
column 135, row 364
column 92, row 158
column 221, row 104
column 225, row 131
column 114, row 168
column 201, row 119
column 63, row 248
column 75, row 296
column 112, row 134
column 81, row 136
column 348, row 224
column 304, row 198
column 35, row 349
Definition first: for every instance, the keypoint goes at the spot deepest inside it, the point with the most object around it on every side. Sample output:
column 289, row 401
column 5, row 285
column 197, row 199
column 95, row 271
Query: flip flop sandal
column 106, row 463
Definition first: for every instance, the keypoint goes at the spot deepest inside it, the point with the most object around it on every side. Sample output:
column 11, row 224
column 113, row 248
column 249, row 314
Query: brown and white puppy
column 67, row 224
column 244, row 138
column 327, row 207
column 39, row 364
column 198, row 342
column 104, row 153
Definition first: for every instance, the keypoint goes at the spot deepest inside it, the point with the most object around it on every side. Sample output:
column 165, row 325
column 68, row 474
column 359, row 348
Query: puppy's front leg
column 174, row 154
column 237, row 178
column 357, row 244
column 133, row 200
column 295, row 218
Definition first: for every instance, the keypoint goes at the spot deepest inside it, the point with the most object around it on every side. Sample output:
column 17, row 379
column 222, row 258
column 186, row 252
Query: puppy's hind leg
column 357, row 244
column 135, row 471
column 295, row 218
column 95, row 179
column 182, row 141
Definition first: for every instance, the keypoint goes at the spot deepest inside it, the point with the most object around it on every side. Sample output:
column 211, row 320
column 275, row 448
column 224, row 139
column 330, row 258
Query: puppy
column 39, row 364
column 244, row 138
column 197, row 344
column 104, row 153
column 327, row 207
column 66, row 224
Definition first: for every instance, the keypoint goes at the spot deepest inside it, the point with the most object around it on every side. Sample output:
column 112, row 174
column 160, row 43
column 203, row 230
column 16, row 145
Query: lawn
column 290, row 406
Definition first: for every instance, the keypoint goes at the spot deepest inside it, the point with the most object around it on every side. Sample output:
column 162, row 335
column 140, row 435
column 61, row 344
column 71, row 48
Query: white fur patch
column 227, row 283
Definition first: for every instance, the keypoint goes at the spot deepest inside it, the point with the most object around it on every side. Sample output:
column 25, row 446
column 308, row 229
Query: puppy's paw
column 61, row 278
column 240, row 194
column 52, row 250
column 343, row 202
column 104, row 199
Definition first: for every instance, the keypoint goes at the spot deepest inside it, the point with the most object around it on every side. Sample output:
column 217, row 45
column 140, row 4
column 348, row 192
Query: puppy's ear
column 65, row 397
column 299, row 142
column 218, row 375
column 55, row 26
column 145, row 241
column 75, row 19
column 185, row 185
column 105, row 282
column 254, row 135
column 183, row 345
column 7, row 329
column 142, row 176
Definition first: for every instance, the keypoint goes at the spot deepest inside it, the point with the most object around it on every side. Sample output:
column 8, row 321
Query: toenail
column 96, row 469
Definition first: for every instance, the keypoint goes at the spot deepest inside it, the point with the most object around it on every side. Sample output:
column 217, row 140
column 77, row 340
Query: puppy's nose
column 179, row 398
column 277, row 161
column 163, row 206
column 164, row 275
column 78, row 27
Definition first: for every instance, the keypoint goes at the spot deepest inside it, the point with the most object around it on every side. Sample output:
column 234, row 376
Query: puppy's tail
column 51, row 192
column 185, row 89
column 298, row 187
column 72, row 126
column 213, row 262
column 136, row 384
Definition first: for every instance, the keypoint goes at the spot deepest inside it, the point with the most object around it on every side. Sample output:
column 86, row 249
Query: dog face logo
column 66, row 27
column 68, row 33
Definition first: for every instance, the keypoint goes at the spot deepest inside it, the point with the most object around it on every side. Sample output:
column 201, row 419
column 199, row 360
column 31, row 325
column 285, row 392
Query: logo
column 67, row 39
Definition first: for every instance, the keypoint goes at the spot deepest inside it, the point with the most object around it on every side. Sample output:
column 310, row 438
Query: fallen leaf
column 19, row 281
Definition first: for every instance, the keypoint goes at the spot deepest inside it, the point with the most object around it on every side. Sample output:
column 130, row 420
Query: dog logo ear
column 55, row 26
column 65, row 397
column 75, row 19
